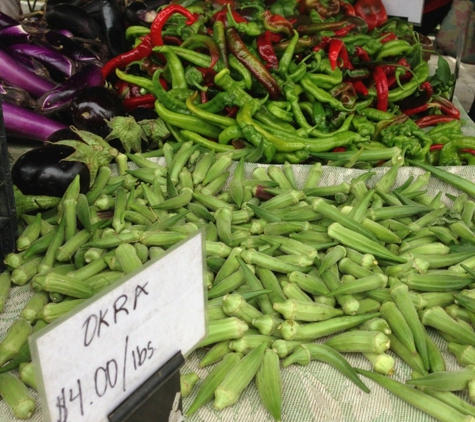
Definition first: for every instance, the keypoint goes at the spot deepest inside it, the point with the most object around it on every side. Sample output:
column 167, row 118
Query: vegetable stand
column 316, row 391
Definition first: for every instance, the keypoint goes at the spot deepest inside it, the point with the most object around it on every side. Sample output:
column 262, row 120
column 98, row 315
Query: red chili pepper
column 344, row 31
column 277, row 23
column 204, row 97
column 362, row 54
column 427, row 87
column 381, row 81
column 388, row 36
column 144, row 49
column 347, row 8
column 360, row 87
column 208, row 75
column 416, row 110
column 372, row 12
column 433, row 119
column 339, row 149
column 470, row 151
column 447, row 107
column 221, row 15
column 323, row 44
column 162, row 17
column 436, row 147
column 144, row 101
column 337, row 49
column 231, row 111
column 266, row 50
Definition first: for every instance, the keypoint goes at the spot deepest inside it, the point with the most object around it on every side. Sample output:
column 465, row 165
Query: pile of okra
column 297, row 271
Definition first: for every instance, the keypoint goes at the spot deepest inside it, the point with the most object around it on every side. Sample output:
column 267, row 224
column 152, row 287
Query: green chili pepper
column 164, row 96
column 322, row 95
column 288, row 55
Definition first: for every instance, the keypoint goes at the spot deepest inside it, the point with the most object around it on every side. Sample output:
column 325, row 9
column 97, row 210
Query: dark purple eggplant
column 93, row 106
column 15, row 95
column 52, row 59
column 63, row 134
column 17, row 34
column 78, row 21
column 22, row 122
column 61, row 96
column 140, row 13
column 16, row 74
column 71, row 48
column 42, row 171
column 114, row 27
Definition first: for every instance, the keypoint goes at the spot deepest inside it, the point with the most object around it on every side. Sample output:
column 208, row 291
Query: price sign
column 410, row 9
column 90, row 362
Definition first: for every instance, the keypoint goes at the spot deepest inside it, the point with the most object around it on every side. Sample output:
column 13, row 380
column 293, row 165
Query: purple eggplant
column 71, row 48
column 13, row 94
column 78, row 21
column 22, row 122
column 51, row 58
column 16, row 34
column 61, row 96
column 16, row 74
column 114, row 27
column 93, row 106
column 43, row 171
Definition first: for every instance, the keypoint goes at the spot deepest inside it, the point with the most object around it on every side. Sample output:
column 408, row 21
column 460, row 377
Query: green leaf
column 91, row 150
column 443, row 72
column 128, row 131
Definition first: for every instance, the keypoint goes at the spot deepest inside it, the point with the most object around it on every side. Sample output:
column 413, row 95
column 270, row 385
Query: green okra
column 445, row 380
column 64, row 284
column 250, row 341
column 187, row 382
column 447, row 397
column 464, row 232
column 298, row 310
column 128, row 259
column 417, row 398
column 219, row 165
column 277, row 175
column 332, row 257
column 160, row 238
column 465, row 354
column 17, row 334
column 31, row 232
column 398, row 324
column 436, row 282
column 270, row 282
column 269, row 384
column 376, row 324
column 223, row 218
column 5, row 285
column 52, row 311
column 292, row 330
column 347, row 301
column 364, row 284
column 251, row 256
column 16, row 395
column 437, row 318
column 216, row 353
column 212, row 381
column 400, row 294
column 382, row 362
column 238, row 378
column 26, row 271
column 66, row 251
column 310, row 283
column 360, row 341
column 282, row 228
column 267, row 324
column 293, row 291
column 227, row 285
column 361, row 243
column 33, row 306
column 307, row 352
column 27, row 374
column 283, row 200
column 224, row 329
column 313, row 177
column 235, row 305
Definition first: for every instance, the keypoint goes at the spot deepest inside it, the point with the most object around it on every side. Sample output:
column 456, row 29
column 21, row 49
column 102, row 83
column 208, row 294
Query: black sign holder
column 8, row 225
column 158, row 399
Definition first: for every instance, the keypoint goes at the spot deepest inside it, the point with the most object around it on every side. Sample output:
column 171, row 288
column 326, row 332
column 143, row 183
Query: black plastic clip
column 158, row 399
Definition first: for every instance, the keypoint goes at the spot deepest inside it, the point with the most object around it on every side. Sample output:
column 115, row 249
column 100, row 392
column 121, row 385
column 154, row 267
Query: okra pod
column 292, row 330
column 269, row 384
column 382, row 362
column 360, row 341
column 5, row 284
column 250, row 341
column 306, row 311
column 16, row 395
column 224, row 329
column 417, row 398
column 31, row 232
column 33, row 306
column 238, row 378
column 306, row 352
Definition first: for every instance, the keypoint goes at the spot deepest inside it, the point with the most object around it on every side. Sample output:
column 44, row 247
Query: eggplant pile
column 50, row 79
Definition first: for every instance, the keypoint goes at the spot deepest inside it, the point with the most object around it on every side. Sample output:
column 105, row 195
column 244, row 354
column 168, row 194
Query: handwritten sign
column 90, row 362
column 410, row 9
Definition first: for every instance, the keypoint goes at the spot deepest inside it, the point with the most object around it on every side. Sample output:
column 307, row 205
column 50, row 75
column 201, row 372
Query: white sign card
column 91, row 361
column 410, row 9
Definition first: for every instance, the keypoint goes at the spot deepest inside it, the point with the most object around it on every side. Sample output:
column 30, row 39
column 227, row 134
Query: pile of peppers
column 291, row 81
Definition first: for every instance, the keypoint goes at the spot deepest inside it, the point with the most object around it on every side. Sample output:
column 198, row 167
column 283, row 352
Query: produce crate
column 8, row 228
